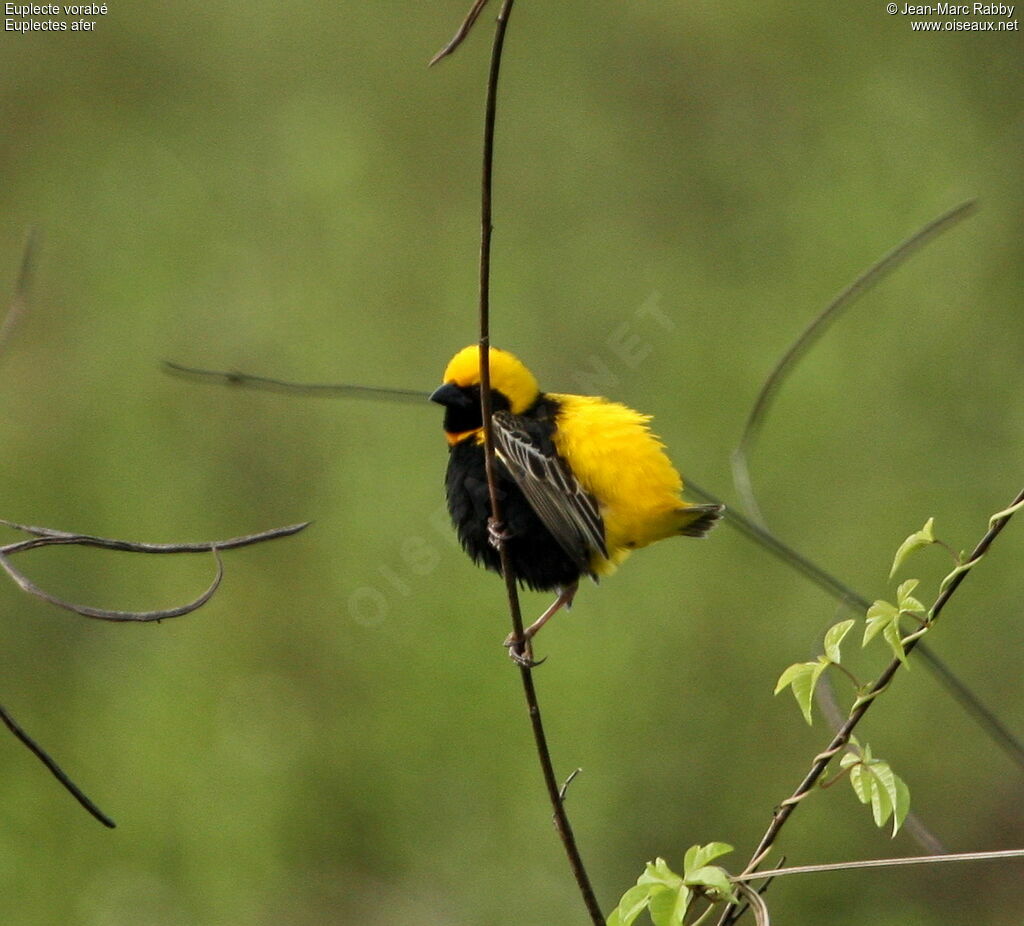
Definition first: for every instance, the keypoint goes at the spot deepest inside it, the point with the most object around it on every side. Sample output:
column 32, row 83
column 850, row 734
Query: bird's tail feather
column 697, row 520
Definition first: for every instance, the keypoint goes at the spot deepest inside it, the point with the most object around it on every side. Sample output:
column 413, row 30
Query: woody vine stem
column 555, row 795
column 842, row 737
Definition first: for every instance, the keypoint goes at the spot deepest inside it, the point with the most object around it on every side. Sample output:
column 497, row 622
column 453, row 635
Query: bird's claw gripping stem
column 524, row 658
column 496, row 533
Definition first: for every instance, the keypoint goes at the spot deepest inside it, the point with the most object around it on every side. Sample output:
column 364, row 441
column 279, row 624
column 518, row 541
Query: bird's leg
column 564, row 600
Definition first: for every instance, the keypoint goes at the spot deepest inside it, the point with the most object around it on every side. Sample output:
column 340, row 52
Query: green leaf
column 901, row 804
column 891, row 633
column 860, row 781
column 875, row 783
column 786, row 679
column 881, row 803
column 714, row 880
column 803, row 677
column 834, row 636
column 904, row 599
column 906, row 587
column 699, row 856
column 632, row 904
column 847, row 759
column 886, row 778
column 916, row 541
column 880, row 614
column 658, row 872
column 668, row 906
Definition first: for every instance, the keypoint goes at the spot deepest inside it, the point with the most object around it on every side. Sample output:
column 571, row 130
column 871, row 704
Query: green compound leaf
column 916, row 541
column 881, row 797
column 698, row 873
column 879, row 616
column 875, row 783
column 668, row 896
column 906, row 601
column 714, row 881
column 699, row 856
column 658, row 873
column 834, row 636
column 657, row 879
column 803, row 677
column 891, row 635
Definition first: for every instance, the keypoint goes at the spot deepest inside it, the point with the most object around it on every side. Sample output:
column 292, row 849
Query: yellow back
column 624, row 466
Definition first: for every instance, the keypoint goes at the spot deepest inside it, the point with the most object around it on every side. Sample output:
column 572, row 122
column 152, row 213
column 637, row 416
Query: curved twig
column 27, row 585
column 810, row 334
column 456, row 40
column 248, row 380
column 755, row 902
column 44, row 536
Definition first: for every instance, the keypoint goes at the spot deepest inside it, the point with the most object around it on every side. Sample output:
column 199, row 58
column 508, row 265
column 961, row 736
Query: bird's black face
column 462, row 406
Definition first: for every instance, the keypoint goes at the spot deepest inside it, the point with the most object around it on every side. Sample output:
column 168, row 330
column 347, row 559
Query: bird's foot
column 525, row 658
column 496, row 533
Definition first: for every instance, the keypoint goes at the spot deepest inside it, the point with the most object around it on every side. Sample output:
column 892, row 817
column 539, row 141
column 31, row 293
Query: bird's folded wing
column 568, row 511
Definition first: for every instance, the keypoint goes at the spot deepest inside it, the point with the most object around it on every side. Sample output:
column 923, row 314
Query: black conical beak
column 451, row 396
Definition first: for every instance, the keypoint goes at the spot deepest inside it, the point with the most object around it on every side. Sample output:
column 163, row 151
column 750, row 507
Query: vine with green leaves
column 669, row 897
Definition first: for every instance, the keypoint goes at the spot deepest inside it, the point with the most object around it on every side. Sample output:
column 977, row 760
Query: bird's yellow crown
column 509, row 376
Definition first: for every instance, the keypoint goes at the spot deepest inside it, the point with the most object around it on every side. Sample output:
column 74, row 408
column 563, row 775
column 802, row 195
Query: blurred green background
column 338, row 737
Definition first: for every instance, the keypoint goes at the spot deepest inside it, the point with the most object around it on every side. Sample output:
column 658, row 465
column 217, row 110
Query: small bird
column 582, row 481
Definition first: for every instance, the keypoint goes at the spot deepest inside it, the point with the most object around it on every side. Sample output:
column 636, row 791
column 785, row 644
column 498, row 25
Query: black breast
column 537, row 559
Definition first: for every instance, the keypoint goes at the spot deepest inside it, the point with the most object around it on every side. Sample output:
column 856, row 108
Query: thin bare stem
column 43, row 756
column 842, row 737
column 526, row 670
column 938, row 859
column 461, row 32
column 888, row 263
column 48, row 536
column 250, row 381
